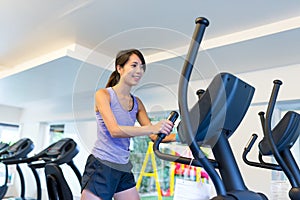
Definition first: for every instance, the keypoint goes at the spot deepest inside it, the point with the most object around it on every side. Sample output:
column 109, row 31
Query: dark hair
column 121, row 59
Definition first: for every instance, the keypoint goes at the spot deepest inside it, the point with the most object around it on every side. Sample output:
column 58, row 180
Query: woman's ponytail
column 113, row 79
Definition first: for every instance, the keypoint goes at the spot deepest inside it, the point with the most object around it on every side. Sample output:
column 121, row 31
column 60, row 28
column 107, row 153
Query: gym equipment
column 57, row 186
column 210, row 122
column 18, row 150
column 58, row 153
column 277, row 142
column 3, row 146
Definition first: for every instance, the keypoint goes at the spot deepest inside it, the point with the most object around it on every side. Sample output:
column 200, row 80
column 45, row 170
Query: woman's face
column 132, row 71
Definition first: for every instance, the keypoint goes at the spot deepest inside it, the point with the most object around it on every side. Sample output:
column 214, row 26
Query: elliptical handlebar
column 201, row 24
column 260, row 164
column 178, row 159
column 271, row 105
column 268, row 133
column 251, row 142
column 172, row 117
column 168, row 157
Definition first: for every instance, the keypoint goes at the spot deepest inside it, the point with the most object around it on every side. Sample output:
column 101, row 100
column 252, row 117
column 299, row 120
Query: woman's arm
column 143, row 119
column 169, row 138
column 102, row 100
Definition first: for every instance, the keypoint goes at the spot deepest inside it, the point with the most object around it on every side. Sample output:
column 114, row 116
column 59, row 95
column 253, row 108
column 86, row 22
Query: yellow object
column 198, row 174
column 153, row 174
column 172, row 177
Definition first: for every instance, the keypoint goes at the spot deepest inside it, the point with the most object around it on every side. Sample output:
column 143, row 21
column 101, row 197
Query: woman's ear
column 118, row 68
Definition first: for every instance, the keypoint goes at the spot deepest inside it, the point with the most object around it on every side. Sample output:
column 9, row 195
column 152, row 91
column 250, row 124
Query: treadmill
column 3, row 146
column 18, row 150
column 58, row 153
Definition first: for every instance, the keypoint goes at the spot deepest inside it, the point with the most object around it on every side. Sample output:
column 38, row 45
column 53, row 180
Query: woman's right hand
column 164, row 126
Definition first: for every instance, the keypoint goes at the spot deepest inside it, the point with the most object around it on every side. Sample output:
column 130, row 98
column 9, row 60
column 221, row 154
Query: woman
column 108, row 170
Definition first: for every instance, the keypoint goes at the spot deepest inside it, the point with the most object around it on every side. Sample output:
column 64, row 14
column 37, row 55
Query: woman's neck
column 122, row 90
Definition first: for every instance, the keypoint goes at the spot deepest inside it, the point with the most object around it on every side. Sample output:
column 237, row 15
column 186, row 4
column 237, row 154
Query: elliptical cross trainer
column 277, row 142
column 211, row 121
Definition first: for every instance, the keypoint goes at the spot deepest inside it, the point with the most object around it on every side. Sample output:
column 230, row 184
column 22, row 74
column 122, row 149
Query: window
column 56, row 132
column 9, row 133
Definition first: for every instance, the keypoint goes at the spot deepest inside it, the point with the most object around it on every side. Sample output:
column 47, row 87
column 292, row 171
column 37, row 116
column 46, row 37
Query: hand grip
column 172, row 117
column 251, row 142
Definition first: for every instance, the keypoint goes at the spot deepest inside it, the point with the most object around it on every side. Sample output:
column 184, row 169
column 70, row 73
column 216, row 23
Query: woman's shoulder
column 139, row 101
column 103, row 92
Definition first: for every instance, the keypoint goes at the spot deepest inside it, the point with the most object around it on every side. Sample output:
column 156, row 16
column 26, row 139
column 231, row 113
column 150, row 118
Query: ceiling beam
column 74, row 51
column 257, row 32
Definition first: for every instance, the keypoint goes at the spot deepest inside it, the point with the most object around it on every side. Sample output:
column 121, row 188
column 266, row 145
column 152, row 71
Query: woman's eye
column 137, row 65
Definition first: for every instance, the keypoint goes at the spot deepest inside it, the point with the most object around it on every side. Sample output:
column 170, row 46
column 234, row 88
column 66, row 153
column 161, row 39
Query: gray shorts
column 103, row 180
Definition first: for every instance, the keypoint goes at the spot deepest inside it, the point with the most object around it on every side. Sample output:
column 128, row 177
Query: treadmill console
column 20, row 149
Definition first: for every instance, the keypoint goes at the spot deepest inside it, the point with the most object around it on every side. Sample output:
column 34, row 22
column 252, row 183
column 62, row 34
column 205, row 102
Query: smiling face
column 132, row 72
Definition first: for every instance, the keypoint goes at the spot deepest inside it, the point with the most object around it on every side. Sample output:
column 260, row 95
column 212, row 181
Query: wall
column 10, row 114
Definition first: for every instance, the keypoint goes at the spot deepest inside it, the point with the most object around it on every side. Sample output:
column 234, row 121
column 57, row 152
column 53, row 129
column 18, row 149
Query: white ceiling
column 53, row 49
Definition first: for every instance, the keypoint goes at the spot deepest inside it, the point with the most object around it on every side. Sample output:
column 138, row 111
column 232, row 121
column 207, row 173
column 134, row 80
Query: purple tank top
column 107, row 148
